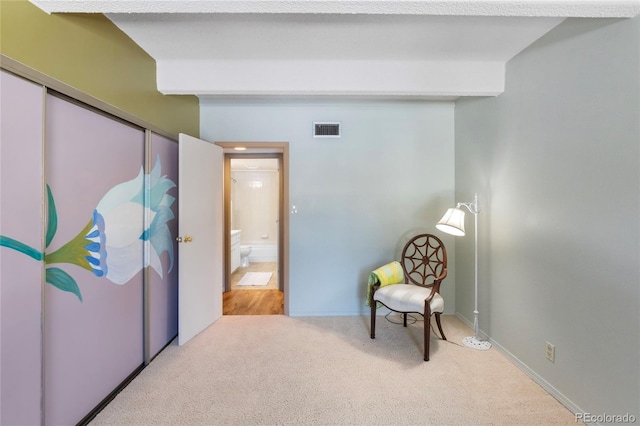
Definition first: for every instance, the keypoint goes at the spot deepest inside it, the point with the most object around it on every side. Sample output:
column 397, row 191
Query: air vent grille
column 326, row 129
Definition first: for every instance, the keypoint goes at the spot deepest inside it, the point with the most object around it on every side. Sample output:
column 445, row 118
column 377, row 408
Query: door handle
column 186, row 239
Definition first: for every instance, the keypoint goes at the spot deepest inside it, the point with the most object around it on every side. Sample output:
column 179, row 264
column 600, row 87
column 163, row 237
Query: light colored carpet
column 279, row 370
column 255, row 279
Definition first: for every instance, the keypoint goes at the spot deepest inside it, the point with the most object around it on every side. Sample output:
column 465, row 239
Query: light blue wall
column 359, row 198
column 556, row 159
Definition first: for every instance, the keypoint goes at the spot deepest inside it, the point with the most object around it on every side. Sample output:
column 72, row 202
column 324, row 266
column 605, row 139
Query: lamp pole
column 475, row 229
column 475, row 342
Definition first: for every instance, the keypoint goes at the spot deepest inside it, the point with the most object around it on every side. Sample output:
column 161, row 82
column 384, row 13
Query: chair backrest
column 424, row 260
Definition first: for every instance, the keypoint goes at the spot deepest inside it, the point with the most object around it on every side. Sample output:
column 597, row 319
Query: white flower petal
column 154, row 261
column 121, row 193
column 124, row 263
column 123, row 225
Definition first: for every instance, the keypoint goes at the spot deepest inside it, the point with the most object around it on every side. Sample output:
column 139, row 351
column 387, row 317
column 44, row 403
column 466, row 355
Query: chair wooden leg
column 440, row 326
column 373, row 304
column 427, row 329
column 427, row 336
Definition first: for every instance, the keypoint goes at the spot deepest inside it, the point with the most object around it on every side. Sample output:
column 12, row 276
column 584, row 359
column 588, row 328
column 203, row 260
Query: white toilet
column 245, row 251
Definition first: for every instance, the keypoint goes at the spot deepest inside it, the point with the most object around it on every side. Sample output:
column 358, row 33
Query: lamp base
column 474, row 343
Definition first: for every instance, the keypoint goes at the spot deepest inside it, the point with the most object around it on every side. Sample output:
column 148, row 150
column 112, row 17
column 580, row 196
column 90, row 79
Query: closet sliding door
column 94, row 262
column 21, row 232
column 162, row 294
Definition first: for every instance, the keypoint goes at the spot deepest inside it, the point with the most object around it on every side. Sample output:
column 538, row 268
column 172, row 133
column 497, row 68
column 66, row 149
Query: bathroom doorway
column 254, row 206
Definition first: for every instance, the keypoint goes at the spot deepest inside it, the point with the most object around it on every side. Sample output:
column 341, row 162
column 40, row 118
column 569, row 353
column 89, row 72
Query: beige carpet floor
column 279, row 370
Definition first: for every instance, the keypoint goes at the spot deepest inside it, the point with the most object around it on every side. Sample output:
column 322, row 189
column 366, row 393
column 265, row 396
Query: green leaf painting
column 20, row 247
column 52, row 217
column 63, row 281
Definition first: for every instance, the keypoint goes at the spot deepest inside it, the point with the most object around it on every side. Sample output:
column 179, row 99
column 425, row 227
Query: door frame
column 278, row 150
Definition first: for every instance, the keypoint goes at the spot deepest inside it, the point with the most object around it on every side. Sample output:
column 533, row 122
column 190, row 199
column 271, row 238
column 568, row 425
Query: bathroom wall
column 254, row 200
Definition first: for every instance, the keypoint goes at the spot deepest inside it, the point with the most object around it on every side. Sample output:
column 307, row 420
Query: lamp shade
column 452, row 222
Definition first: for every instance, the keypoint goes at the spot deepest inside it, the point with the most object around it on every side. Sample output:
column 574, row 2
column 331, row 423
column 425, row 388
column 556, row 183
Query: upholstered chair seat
column 408, row 298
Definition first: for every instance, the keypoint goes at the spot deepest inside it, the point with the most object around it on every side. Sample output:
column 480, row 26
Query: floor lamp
column 453, row 223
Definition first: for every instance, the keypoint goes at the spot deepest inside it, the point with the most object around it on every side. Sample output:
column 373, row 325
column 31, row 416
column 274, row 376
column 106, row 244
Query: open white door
column 200, row 227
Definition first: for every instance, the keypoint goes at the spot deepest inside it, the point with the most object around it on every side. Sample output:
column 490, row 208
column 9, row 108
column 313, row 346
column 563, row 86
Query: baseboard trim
column 570, row 405
column 93, row 413
column 163, row 348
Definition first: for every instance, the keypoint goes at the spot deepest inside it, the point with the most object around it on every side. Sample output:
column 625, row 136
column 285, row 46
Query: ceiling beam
column 402, row 79
column 533, row 8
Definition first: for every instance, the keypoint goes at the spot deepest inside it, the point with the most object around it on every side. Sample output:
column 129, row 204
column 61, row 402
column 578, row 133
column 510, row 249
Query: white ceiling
column 384, row 49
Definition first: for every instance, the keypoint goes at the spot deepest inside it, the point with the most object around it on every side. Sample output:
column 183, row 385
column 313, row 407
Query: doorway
column 256, row 230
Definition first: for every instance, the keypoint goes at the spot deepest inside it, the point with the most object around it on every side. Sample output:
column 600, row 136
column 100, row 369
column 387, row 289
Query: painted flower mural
column 111, row 244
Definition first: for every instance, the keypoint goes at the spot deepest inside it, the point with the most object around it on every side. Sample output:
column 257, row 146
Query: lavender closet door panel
column 93, row 303
column 21, row 277
column 163, row 283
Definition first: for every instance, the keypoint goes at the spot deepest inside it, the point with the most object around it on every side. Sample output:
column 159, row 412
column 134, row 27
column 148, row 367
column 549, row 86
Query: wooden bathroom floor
column 258, row 300
column 252, row 302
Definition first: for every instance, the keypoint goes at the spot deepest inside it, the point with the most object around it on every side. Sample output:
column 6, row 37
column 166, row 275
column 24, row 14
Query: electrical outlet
column 551, row 352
